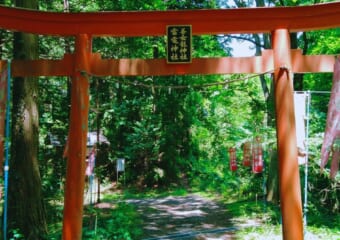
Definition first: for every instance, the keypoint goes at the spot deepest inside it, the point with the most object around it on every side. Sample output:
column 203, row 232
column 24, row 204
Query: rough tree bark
column 26, row 213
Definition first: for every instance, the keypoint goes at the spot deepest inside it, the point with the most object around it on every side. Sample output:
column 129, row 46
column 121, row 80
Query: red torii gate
column 83, row 63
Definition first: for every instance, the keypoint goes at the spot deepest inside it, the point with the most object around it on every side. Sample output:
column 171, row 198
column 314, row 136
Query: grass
column 274, row 232
column 116, row 221
column 260, row 220
column 322, row 224
column 264, row 216
column 120, row 222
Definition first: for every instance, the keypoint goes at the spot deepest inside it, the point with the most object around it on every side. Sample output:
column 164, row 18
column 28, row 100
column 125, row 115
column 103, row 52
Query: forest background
column 169, row 136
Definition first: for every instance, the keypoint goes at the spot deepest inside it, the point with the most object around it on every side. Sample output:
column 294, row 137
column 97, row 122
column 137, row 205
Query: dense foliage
column 169, row 132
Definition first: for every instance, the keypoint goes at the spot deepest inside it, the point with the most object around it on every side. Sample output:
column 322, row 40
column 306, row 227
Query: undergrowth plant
column 121, row 222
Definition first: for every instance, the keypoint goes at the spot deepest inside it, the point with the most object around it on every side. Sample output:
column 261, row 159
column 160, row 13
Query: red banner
column 247, row 154
column 3, row 98
column 232, row 159
column 331, row 141
column 257, row 165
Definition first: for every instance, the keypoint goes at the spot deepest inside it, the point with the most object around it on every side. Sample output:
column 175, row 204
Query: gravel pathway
column 184, row 217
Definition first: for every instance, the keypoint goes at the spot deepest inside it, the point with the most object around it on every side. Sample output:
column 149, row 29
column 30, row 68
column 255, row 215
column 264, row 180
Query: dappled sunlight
column 105, row 205
column 191, row 215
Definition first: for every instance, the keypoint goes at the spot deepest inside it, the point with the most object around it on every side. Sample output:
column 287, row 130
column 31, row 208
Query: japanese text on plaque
column 179, row 44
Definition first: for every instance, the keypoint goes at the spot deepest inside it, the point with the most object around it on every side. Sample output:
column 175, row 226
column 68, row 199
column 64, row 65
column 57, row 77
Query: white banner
column 120, row 165
column 300, row 123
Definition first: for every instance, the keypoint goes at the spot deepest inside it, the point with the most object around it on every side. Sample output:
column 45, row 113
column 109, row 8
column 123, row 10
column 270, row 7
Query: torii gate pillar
column 76, row 153
column 289, row 181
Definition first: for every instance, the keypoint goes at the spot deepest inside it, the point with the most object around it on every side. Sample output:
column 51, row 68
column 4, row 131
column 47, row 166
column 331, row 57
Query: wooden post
column 290, row 193
column 77, row 139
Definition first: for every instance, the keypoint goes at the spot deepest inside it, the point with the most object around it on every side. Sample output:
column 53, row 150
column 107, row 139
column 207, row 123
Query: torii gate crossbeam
column 80, row 65
column 153, row 23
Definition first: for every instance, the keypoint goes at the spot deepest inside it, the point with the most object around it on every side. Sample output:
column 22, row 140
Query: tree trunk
column 273, row 178
column 26, row 213
column 298, row 77
column 273, row 173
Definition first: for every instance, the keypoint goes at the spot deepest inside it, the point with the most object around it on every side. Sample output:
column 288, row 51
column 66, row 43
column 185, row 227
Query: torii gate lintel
column 158, row 67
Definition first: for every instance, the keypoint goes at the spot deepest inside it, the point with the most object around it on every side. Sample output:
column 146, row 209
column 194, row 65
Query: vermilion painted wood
column 254, row 20
column 77, row 139
column 153, row 23
column 289, row 180
column 44, row 67
column 311, row 63
column 159, row 67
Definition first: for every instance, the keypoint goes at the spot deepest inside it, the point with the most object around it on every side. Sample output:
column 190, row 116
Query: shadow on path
column 184, row 217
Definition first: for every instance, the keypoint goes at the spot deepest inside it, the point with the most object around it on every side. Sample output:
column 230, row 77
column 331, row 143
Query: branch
column 305, row 41
column 239, row 37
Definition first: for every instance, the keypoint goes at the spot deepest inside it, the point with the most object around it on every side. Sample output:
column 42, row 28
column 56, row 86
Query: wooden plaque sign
column 179, row 43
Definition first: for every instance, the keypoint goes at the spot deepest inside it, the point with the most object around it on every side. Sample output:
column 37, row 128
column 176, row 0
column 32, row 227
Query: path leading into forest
column 185, row 217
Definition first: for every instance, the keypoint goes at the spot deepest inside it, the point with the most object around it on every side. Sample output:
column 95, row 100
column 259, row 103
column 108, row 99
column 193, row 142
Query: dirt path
column 184, row 217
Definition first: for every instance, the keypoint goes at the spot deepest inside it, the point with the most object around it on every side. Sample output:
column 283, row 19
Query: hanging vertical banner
column 232, row 159
column 331, row 141
column 257, row 164
column 300, row 120
column 247, row 154
column 3, row 98
column 179, row 43
column 91, row 162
